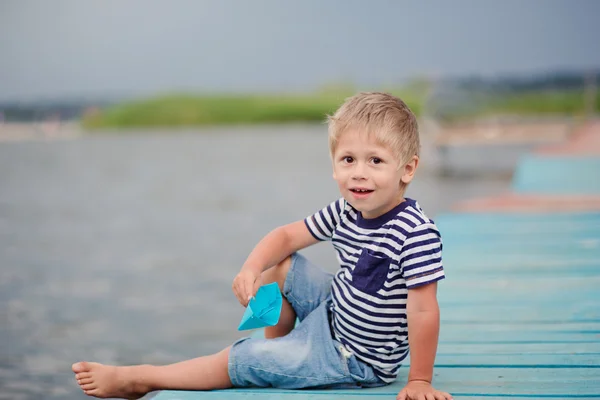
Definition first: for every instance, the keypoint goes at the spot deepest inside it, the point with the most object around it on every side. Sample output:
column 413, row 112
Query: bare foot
column 107, row 381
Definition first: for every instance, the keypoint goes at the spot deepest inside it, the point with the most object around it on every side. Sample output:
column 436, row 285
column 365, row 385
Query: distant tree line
column 44, row 110
column 551, row 81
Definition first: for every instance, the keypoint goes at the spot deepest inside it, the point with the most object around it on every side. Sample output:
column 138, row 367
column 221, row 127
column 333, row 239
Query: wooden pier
column 521, row 302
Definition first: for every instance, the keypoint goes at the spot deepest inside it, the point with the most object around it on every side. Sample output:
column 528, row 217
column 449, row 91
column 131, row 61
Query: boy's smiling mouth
column 360, row 193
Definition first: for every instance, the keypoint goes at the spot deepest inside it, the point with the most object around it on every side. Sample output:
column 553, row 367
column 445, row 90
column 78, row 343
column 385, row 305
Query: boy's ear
column 409, row 170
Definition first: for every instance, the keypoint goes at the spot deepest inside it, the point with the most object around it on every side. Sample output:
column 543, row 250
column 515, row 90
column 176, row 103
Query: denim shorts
column 308, row 357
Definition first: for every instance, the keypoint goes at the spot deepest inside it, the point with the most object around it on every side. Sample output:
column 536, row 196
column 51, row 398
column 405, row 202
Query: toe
column 83, row 375
column 85, row 381
column 80, row 367
column 93, row 392
column 88, row 387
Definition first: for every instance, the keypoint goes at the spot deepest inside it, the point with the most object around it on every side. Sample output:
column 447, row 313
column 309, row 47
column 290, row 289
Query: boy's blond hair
column 382, row 115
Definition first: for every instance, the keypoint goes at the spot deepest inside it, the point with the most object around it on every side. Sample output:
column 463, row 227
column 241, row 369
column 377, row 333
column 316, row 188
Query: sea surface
column 120, row 247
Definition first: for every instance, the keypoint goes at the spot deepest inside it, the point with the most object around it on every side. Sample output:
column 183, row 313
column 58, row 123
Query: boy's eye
column 376, row 160
column 348, row 159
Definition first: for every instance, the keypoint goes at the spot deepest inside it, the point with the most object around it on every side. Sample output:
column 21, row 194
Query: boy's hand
column 245, row 285
column 421, row 390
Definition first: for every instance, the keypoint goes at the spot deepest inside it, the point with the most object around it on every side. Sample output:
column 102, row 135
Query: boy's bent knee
column 277, row 273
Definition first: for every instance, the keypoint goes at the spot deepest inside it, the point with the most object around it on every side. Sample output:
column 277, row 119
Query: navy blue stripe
column 429, row 231
column 344, row 242
column 310, row 230
column 324, row 221
column 401, row 230
column 338, row 209
column 394, row 319
column 359, row 302
column 429, row 252
column 314, row 221
column 338, row 327
column 344, row 259
column 396, row 284
column 351, row 326
column 373, row 326
column 363, row 243
column 393, row 298
column 427, row 282
column 416, row 214
column 332, row 216
column 355, row 241
column 379, row 233
column 421, row 243
column 422, row 264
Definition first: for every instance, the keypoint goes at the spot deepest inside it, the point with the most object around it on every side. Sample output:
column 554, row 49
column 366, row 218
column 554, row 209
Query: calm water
column 122, row 248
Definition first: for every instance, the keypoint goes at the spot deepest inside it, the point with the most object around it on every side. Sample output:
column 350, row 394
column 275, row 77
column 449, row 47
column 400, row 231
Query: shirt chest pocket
column 370, row 272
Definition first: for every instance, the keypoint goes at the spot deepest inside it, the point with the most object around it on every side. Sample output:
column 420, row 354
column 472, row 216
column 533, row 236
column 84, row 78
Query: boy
column 355, row 325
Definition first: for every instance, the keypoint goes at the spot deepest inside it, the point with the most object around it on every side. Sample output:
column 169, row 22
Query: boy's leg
column 132, row 382
column 287, row 319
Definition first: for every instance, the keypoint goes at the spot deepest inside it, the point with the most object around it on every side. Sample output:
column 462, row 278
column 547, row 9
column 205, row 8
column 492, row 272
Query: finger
column 401, row 395
column 257, row 284
column 235, row 289
column 248, row 289
column 430, row 396
column 420, row 396
column 238, row 290
column 445, row 396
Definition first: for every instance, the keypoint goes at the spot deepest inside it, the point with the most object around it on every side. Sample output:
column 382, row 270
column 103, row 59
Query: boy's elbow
column 284, row 237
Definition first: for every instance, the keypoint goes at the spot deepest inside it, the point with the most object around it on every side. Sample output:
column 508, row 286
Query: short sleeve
column 323, row 223
column 421, row 256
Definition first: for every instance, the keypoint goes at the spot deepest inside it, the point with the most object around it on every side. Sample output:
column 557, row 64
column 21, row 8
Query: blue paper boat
column 264, row 309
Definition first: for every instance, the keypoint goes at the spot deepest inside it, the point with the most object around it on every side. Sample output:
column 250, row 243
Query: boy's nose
column 358, row 173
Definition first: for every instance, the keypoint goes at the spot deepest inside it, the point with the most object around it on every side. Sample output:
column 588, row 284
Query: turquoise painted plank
column 524, row 348
column 476, row 259
column 520, row 359
column 502, row 269
column 508, row 285
column 300, row 395
column 558, row 243
column 519, row 336
column 455, row 222
column 499, row 224
column 516, row 314
column 529, row 326
column 459, row 381
column 267, row 394
column 461, row 227
column 557, row 175
column 452, row 296
column 451, row 302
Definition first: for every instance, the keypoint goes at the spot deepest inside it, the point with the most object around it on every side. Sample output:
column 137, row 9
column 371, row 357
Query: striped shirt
column 380, row 260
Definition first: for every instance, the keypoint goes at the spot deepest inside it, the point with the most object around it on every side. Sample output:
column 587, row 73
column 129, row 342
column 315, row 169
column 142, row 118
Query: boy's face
column 369, row 175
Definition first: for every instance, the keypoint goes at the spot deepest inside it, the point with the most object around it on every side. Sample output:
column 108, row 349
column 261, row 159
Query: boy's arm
column 271, row 250
column 423, row 315
column 277, row 245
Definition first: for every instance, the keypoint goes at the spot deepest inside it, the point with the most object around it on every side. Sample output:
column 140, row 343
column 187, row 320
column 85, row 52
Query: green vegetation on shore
column 563, row 102
column 192, row 110
column 189, row 110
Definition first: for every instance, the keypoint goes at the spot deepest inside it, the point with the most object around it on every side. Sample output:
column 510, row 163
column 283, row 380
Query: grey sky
column 96, row 48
